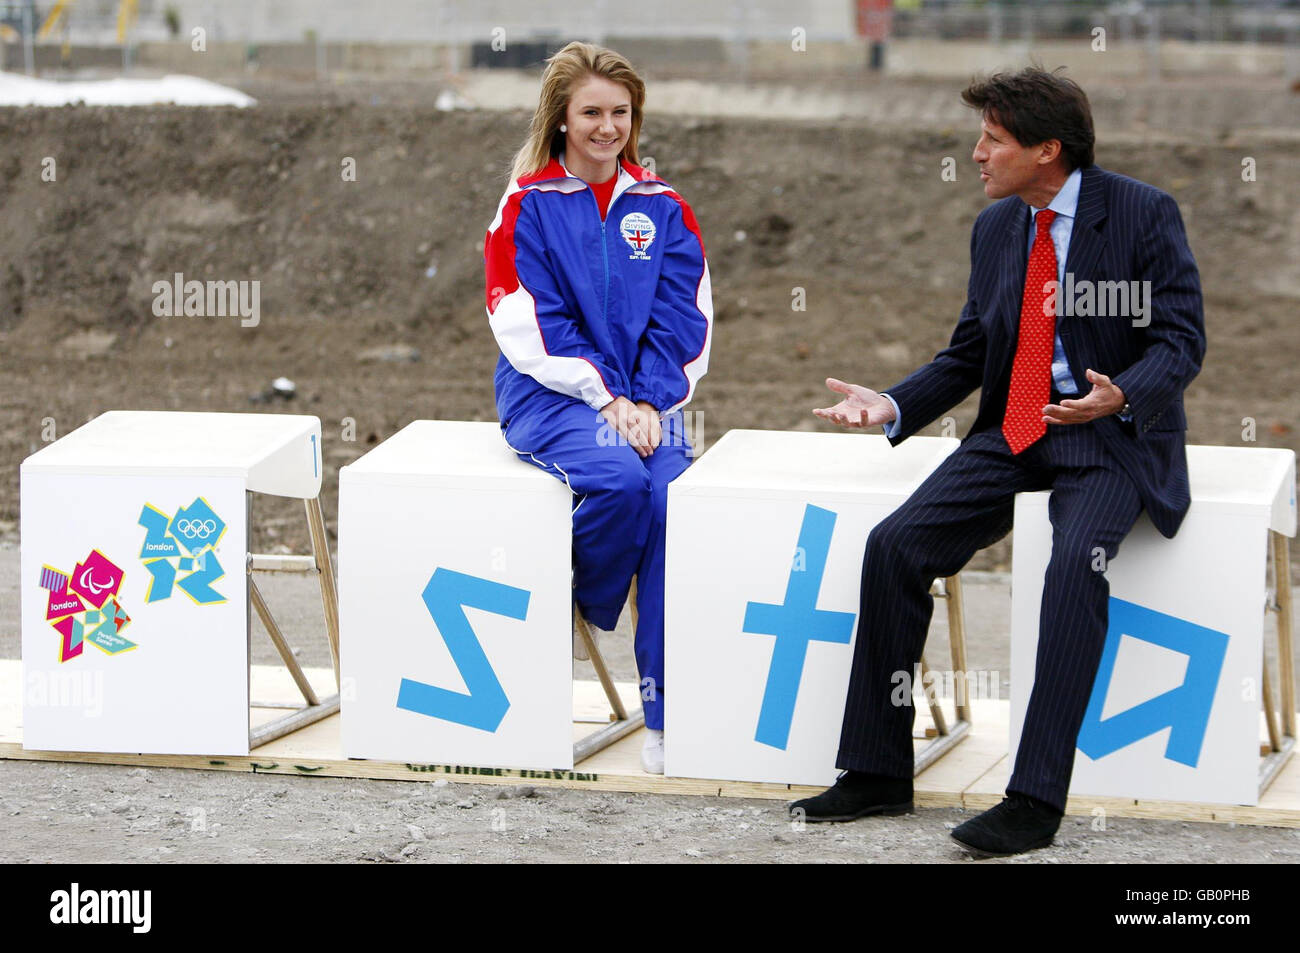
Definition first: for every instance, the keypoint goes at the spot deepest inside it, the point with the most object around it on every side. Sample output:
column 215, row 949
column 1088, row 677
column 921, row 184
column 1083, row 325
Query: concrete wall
column 712, row 58
column 467, row 21
column 705, row 58
column 1169, row 58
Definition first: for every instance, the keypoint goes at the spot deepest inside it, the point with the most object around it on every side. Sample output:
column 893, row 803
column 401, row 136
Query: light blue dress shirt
column 1064, row 204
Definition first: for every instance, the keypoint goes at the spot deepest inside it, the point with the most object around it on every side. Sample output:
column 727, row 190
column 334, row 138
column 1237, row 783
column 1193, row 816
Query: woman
column 598, row 295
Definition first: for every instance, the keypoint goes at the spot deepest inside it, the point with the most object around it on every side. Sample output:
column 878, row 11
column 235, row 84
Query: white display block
column 766, row 533
column 1175, row 710
column 455, row 602
column 134, row 591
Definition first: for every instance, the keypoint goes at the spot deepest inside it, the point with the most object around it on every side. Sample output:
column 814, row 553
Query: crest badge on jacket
column 638, row 231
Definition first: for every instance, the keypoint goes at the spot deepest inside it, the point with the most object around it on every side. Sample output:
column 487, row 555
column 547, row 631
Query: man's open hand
column 859, row 408
column 1103, row 400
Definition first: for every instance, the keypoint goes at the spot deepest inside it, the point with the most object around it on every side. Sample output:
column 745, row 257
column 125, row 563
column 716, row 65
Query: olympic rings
column 196, row 529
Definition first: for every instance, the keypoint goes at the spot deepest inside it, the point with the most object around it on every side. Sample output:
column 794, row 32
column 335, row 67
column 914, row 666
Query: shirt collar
column 1066, row 201
column 618, row 178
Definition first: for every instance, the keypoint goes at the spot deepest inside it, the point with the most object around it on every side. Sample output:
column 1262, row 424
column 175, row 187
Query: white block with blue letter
column 1175, row 709
column 455, row 594
column 765, row 539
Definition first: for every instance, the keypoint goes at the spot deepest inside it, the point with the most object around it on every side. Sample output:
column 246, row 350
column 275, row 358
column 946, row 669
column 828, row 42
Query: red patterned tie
column 1031, row 372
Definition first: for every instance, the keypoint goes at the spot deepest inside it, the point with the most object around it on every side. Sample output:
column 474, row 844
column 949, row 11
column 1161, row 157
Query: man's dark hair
column 1035, row 106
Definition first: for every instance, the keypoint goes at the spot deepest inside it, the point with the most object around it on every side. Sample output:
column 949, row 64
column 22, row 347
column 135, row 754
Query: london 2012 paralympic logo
column 83, row 606
column 180, row 552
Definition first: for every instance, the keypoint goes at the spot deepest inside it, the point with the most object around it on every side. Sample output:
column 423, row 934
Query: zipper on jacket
column 604, row 236
column 604, row 248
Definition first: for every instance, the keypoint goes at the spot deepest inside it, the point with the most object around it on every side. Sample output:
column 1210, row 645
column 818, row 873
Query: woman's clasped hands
column 638, row 424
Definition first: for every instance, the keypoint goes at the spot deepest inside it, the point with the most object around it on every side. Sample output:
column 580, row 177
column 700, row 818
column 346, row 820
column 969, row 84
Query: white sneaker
column 652, row 753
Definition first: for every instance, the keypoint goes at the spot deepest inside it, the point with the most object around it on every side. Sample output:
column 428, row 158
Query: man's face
column 1006, row 167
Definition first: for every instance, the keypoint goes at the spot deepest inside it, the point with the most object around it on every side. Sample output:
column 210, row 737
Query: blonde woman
column 598, row 295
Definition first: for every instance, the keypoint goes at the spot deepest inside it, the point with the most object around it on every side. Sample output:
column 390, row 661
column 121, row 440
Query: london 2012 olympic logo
column 179, row 551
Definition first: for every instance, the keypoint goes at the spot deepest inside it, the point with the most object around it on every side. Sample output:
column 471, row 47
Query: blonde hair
column 564, row 71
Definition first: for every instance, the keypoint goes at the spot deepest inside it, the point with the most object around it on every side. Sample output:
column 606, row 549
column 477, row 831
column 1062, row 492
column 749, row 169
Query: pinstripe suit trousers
column 965, row 505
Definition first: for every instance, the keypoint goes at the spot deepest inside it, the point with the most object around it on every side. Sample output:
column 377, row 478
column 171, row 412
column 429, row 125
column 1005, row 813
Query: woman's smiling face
column 599, row 117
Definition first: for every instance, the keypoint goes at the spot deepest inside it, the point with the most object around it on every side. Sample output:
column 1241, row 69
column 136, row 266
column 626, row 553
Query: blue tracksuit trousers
column 620, row 504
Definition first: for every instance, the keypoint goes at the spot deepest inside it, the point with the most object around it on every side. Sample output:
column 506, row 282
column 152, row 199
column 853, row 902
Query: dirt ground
column 371, row 301
column 100, row 813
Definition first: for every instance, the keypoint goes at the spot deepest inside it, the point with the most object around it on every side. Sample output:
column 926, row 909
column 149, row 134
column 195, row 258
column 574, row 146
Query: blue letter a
column 1184, row 710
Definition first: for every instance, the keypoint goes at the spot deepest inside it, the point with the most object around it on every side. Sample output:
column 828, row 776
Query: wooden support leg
column 581, row 636
column 957, row 644
column 1285, row 648
column 949, row 735
column 586, row 649
column 320, row 547
column 281, row 646
column 598, row 663
column 316, row 708
column 1281, row 743
column 585, row 643
column 932, row 697
column 1270, row 713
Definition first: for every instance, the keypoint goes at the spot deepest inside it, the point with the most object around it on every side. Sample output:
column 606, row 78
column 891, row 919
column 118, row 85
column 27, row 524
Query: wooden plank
column 993, row 719
column 590, row 703
column 989, row 788
column 945, row 782
column 274, row 683
column 973, row 774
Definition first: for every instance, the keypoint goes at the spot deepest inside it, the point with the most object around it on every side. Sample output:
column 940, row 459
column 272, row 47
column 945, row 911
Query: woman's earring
column 563, row 128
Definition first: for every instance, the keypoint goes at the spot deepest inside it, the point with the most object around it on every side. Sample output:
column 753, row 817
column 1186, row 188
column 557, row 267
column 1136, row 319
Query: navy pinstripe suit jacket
column 1124, row 230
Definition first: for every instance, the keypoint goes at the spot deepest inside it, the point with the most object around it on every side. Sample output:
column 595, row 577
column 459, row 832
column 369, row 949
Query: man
column 1088, row 406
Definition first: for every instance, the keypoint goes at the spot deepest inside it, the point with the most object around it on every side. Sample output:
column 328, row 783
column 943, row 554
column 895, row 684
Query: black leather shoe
column 1018, row 824
column 857, row 795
